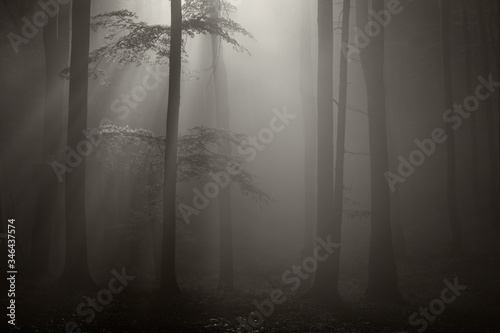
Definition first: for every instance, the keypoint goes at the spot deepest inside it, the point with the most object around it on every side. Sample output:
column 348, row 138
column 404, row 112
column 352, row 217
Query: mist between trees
column 222, row 150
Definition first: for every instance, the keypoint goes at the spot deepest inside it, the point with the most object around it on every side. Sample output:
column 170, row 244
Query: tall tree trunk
column 56, row 42
column 488, row 108
column 224, row 198
column 325, row 288
column 473, row 116
column 76, row 271
column 492, row 26
column 383, row 281
column 309, row 115
column 168, row 285
column 456, row 232
column 341, row 123
column 398, row 236
column 155, row 223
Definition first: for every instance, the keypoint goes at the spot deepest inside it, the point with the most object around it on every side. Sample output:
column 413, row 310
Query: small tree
column 130, row 41
column 198, row 158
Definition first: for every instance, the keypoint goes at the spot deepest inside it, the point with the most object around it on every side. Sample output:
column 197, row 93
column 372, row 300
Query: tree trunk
column 325, row 288
column 76, row 271
column 398, row 236
column 456, row 232
column 488, row 108
column 224, row 198
column 473, row 116
column 341, row 123
column 309, row 115
column 56, row 42
column 168, row 285
column 383, row 281
column 155, row 224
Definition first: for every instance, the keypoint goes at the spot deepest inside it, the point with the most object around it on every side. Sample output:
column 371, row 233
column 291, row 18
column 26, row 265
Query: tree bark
column 309, row 114
column 56, row 42
column 488, row 108
column 224, row 199
column 473, row 116
column 456, row 229
column 383, row 281
column 168, row 285
column 76, row 271
column 155, row 224
column 325, row 288
column 398, row 236
column 341, row 121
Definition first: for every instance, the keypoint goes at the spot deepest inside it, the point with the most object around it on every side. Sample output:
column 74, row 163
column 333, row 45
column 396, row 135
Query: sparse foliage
column 132, row 42
column 141, row 152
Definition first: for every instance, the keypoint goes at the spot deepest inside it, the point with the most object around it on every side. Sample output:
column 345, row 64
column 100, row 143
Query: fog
column 420, row 199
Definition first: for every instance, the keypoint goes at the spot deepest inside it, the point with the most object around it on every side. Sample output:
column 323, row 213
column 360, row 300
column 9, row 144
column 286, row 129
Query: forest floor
column 421, row 280
column 135, row 312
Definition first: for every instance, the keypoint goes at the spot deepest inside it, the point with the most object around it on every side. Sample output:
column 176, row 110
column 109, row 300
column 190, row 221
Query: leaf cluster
column 130, row 41
column 141, row 152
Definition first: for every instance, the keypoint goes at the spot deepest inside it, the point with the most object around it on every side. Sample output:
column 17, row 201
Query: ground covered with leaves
column 138, row 309
column 44, row 307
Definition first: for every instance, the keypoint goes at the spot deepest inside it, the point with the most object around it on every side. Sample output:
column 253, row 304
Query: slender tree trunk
column 56, row 42
column 488, row 108
column 383, row 281
column 224, row 198
column 492, row 26
column 341, row 123
column 398, row 236
column 168, row 285
column 456, row 230
column 76, row 271
column 325, row 288
column 473, row 116
column 309, row 115
column 155, row 223
column 135, row 245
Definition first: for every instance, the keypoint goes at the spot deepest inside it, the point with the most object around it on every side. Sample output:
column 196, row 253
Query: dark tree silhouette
column 341, row 123
column 325, row 287
column 493, row 194
column 451, row 181
column 383, row 282
column 224, row 199
column 473, row 116
column 76, row 271
column 168, row 284
column 309, row 114
column 15, row 10
column 56, row 43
